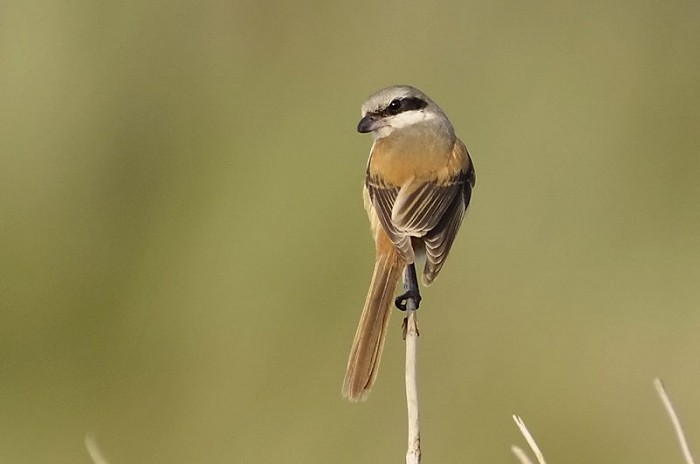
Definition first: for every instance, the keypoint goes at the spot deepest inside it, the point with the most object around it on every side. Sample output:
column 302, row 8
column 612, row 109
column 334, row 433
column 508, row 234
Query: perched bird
column 417, row 188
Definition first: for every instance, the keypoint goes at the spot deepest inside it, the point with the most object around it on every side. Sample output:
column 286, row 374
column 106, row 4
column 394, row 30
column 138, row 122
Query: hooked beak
column 367, row 124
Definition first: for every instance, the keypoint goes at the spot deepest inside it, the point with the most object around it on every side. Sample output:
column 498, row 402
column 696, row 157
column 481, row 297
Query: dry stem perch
column 413, row 453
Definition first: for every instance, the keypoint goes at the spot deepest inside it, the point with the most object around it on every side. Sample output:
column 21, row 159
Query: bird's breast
column 410, row 154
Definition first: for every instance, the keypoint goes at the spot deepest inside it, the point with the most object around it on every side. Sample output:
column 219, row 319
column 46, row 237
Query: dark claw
column 402, row 299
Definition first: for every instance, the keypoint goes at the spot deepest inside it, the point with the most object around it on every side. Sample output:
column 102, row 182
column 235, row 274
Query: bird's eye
column 395, row 105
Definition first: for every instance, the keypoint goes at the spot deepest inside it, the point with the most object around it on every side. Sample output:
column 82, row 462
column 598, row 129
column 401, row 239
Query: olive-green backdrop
column 184, row 254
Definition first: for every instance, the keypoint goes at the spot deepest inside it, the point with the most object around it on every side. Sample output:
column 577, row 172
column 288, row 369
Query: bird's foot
column 402, row 299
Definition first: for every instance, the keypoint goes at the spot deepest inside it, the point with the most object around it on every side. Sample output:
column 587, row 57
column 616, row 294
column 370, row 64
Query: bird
column 418, row 185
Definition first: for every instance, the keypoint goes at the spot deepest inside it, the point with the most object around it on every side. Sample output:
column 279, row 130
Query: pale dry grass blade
column 677, row 427
column 93, row 450
column 530, row 439
column 520, row 454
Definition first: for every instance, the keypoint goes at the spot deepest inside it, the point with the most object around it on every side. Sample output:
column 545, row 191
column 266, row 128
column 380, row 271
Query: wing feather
column 383, row 197
column 438, row 240
column 418, row 209
column 431, row 209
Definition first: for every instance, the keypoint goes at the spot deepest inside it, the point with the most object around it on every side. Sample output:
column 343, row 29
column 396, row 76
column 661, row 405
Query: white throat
column 401, row 121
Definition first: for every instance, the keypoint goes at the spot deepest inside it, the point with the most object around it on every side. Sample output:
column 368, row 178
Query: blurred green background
column 184, row 254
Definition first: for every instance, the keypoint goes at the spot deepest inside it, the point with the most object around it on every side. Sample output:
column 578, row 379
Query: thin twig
column 413, row 454
column 520, row 454
column 410, row 326
column 677, row 427
column 530, row 439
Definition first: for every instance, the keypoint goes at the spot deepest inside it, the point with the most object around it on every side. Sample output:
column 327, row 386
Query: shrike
column 418, row 185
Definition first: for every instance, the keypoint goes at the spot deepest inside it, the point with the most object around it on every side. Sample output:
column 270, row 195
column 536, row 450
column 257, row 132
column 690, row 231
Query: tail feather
column 367, row 346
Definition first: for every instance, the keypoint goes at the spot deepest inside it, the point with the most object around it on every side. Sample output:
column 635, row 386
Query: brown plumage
column 417, row 188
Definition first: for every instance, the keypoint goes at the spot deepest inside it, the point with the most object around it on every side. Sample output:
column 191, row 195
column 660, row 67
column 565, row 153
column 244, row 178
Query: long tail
column 366, row 351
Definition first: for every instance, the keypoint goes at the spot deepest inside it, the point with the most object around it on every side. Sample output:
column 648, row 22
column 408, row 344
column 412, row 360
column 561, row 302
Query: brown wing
column 439, row 239
column 432, row 209
column 420, row 206
column 383, row 197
